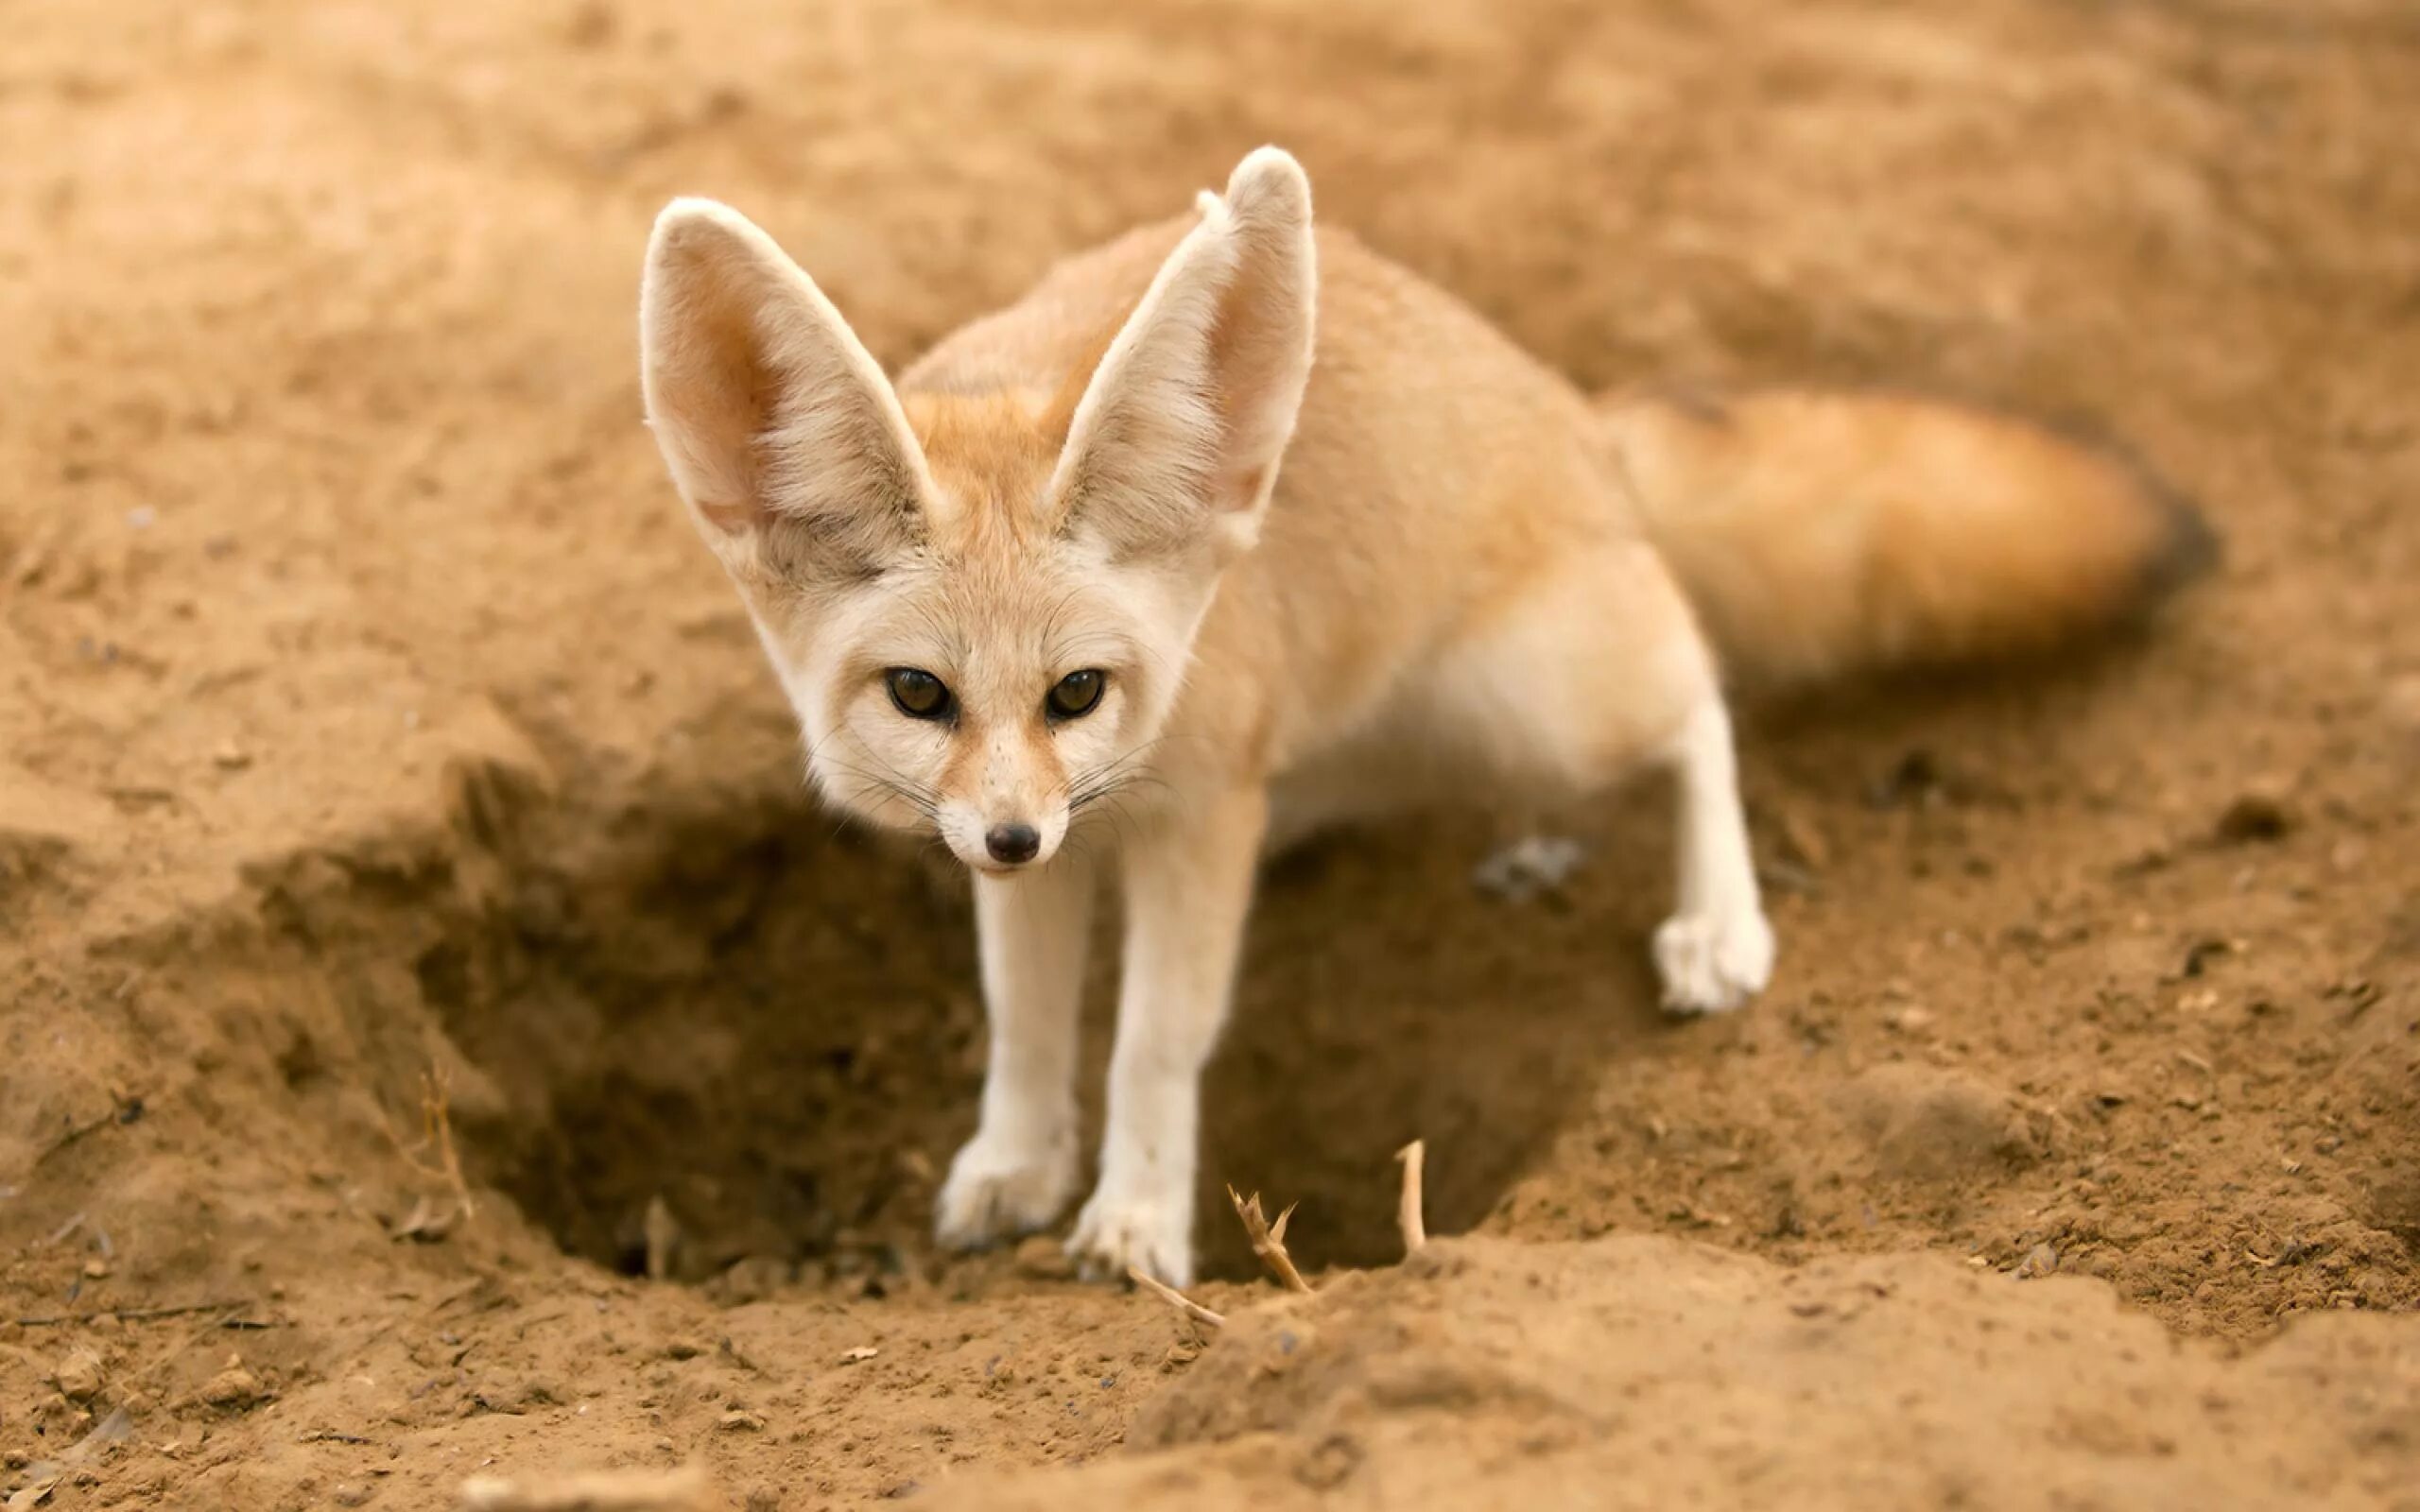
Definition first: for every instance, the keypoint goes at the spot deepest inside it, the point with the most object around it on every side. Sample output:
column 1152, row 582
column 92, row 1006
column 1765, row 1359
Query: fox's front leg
column 1020, row 1169
column 1188, row 886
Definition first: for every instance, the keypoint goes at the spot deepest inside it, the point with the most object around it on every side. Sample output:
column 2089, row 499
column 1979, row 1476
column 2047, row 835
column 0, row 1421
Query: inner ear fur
column 1177, row 436
column 777, row 425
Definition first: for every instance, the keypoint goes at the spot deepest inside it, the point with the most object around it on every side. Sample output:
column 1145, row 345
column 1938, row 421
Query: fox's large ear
column 778, row 427
column 1176, row 439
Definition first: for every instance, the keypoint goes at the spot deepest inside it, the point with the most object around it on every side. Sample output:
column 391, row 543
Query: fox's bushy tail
column 1825, row 532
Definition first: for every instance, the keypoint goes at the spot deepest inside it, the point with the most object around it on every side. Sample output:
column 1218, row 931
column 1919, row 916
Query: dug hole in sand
column 376, row 745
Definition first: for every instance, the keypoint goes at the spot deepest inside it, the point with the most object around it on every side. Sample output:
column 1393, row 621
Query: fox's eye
column 1076, row 695
column 918, row 694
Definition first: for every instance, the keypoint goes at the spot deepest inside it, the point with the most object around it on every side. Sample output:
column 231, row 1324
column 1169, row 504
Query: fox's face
column 982, row 606
column 991, row 683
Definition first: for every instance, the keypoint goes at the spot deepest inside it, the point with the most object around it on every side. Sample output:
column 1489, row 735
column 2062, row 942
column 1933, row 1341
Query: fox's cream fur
column 1285, row 592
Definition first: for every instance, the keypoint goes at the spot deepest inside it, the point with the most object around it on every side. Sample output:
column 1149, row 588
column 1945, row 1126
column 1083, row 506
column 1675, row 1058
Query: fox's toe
column 1115, row 1233
column 1712, row 963
column 996, row 1192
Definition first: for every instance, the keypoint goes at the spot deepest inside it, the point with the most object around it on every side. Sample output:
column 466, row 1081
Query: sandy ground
column 368, row 713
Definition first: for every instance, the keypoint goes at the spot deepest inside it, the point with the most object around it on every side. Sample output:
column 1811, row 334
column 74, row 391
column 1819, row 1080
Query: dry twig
column 1175, row 1298
column 662, row 1232
column 1408, row 1212
column 76, row 1135
column 132, row 1315
column 437, row 1133
column 682, row 1490
column 1268, row 1239
column 193, row 1337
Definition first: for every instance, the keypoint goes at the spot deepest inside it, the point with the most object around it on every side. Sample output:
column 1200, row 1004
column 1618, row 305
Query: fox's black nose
column 1012, row 843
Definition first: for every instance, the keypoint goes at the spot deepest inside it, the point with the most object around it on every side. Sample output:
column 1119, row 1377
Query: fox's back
column 1434, row 469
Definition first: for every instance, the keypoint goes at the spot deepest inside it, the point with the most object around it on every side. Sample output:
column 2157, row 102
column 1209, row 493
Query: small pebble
column 232, row 1387
column 2257, row 814
column 1527, row 866
column 1044, row 1259
column 1802, row 842
column 78, row 1375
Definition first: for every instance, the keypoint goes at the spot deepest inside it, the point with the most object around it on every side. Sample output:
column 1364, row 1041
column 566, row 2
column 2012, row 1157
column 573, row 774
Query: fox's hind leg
column 1591, row 671
column 1716, row 950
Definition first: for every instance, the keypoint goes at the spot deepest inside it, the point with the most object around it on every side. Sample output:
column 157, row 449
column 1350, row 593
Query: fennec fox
column 1139, row 560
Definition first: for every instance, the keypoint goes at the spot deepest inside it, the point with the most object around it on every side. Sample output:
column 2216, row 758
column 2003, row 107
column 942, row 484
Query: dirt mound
column 375, row 741
column 1917, row 1123
column 1654, row 1372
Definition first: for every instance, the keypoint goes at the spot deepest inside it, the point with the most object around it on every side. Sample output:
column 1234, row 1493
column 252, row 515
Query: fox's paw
column 997, row 1189
column 1117, row 1231
column 1712, row 963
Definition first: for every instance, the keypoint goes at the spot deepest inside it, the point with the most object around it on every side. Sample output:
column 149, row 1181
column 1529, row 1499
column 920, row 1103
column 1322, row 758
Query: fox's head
column 982, row 607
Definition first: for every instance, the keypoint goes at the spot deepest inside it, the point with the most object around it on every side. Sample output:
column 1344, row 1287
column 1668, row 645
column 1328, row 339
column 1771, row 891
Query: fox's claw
column 1115, row 1231
column 997, row 1191
column 1712, row 963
